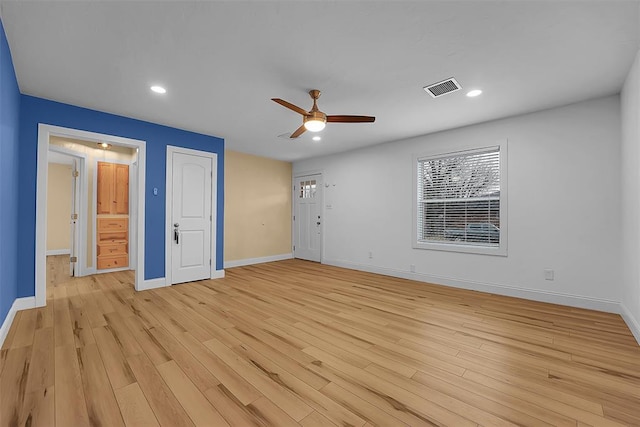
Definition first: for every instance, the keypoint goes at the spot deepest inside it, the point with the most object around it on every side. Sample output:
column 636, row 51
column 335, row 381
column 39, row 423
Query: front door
column 307, row 217
column 191, row 217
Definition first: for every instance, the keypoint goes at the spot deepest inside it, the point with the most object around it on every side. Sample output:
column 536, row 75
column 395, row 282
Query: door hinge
column 294, row 248
column 74, row 216
column 209, row 262
column 75, row 174
column 294, row 217
column 210, row 217
column 74, row 259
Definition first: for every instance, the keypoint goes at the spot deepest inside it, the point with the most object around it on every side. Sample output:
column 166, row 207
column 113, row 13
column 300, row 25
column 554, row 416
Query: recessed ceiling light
column 104, row 145
column 316, row 138
column 158, row 89
column 473, row 93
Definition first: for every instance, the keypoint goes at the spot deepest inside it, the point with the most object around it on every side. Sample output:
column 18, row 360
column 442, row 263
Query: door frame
column 213, row 273
column 44, row 133
column 81, row 195
column 296, row 176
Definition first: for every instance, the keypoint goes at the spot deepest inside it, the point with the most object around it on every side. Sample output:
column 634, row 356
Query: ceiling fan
column 315, row 120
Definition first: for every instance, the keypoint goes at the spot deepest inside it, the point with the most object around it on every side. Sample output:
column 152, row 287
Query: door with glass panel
column 307, row 219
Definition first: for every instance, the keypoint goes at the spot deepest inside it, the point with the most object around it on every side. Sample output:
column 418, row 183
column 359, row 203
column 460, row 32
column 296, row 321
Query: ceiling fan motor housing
column 317, row 116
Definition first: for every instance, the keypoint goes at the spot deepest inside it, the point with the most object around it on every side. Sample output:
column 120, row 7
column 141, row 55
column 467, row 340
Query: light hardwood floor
column 298, row 343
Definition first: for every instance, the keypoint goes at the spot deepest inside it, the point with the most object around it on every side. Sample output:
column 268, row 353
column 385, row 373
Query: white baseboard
column 250, row 261
column 631, row 321
column 218, row 274
column 18, row 304
column 59, row 252
column 511, row 291
column 160, row 282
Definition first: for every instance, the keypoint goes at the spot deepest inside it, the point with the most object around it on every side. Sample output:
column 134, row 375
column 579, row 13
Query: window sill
column 463, row 248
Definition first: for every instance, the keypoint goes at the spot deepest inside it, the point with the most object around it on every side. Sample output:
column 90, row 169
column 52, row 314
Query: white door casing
column 44, row 133
column 307, row 229
column 190, row 203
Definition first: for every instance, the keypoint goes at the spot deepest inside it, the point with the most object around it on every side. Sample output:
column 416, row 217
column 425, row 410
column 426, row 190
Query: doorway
column 307, row 217
column 65, row 183
column 191, row 196
column 45, row 134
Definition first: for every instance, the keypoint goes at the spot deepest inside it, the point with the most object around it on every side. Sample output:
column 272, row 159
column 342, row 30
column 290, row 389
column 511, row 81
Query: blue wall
column 9, row 121
column 36, row 110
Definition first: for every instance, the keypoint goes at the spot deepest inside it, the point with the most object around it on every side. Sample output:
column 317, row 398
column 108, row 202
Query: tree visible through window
column 459, row 198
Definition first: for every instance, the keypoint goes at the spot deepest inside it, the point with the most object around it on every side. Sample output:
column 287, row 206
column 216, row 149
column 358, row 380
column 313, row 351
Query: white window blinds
column 459, row 198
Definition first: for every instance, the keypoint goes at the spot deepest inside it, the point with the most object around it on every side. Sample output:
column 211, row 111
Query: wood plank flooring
column 294, row 343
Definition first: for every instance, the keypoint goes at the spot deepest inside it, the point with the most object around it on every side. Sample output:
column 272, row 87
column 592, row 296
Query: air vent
column 442, row 88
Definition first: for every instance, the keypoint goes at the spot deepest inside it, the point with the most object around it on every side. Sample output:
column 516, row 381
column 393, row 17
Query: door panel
column 105, row 182
column 193, row 197
column 191, row 218
column 192, row 249
column 121, row 189
column 307, row 217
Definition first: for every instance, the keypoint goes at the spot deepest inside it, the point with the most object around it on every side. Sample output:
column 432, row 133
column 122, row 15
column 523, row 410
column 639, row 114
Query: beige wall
column 94, row 155
column 58, row 207
column 257, row 210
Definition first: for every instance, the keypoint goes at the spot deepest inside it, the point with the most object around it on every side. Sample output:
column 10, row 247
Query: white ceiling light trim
column 158, row 89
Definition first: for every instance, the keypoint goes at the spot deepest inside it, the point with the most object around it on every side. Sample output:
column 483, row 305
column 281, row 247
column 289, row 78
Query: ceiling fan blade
column 350, row 119
column 298, row 132
column 290, row 106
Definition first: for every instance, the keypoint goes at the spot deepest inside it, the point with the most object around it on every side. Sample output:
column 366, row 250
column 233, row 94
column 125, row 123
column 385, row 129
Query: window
column 460, row 202
column 308, row 189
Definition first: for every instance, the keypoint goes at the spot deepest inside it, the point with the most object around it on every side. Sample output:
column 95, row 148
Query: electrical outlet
column 548, row 275
column 370, row 254
column 412, row 268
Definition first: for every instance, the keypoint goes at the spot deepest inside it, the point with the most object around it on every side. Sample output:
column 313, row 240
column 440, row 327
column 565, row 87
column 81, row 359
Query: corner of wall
column 18, row 304
column 10, row 100
column 631, row 321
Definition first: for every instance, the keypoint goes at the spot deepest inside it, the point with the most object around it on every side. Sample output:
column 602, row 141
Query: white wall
column 563, row 207
column 630, row 101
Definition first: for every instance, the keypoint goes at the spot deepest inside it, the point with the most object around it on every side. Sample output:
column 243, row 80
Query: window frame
column 499, row 250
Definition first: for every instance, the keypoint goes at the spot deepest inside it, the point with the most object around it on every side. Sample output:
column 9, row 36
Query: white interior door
column 307, row 217
column 191, row 217
column 75, row 209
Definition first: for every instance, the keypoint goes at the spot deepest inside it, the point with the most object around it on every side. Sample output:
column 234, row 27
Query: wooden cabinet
column 113, row 242
column 112, row 226
column 113, row 189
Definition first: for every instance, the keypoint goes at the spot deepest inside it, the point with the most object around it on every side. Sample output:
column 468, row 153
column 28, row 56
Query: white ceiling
column 221, row 62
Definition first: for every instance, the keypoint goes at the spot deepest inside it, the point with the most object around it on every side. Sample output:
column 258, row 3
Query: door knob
column 176, row 225
column 318, row 223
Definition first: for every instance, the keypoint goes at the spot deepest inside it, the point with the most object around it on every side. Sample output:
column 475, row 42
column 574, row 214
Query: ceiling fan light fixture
column 314, row 125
